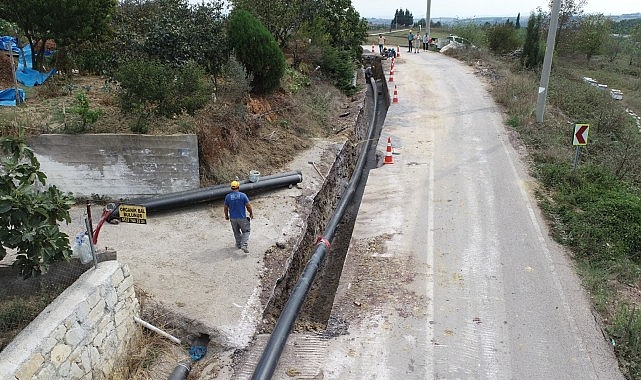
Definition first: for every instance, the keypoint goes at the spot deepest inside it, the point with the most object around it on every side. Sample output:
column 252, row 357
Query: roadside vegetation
column 594, row 209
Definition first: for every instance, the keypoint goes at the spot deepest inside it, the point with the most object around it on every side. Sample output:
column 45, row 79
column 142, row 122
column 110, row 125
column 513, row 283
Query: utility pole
column 427, row 17
column 547, row 61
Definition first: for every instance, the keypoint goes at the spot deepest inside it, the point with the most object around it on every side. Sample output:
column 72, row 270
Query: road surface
column 451, row 273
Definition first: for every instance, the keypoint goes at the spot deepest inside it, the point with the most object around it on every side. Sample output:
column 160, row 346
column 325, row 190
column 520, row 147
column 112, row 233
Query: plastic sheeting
column 25, row 74
column 8, row 97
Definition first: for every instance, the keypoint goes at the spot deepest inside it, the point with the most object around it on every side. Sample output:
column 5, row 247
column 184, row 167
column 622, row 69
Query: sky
column 479, row 8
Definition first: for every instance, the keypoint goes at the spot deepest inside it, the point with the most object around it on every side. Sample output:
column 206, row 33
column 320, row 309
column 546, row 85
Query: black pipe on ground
column 274, row 348
column 208, row 194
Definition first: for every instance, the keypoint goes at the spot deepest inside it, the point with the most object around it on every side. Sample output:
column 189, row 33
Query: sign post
column 579, row 139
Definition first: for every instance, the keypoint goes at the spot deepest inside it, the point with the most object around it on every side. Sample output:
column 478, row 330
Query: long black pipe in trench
column 274, row 348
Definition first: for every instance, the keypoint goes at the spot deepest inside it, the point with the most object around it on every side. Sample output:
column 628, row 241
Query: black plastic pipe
column 208, row 194
column 274, row 348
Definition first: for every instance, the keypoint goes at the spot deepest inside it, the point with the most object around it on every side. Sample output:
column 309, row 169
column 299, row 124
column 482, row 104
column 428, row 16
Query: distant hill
column 490, row 20
column 628, row 16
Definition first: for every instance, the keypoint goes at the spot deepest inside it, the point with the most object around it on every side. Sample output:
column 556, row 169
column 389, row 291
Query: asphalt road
column 451, row 273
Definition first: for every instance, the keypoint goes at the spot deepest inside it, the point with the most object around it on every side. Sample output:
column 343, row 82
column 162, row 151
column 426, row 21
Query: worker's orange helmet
column 235, row 185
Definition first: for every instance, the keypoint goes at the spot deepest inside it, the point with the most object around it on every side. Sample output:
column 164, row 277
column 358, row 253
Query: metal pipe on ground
column 274, row 348
column 208, row 194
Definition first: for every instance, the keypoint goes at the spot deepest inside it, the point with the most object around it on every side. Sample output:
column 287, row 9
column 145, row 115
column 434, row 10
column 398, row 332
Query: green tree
column 179, row 33
column 532, row 55
column 257, row 50
column 283, row 18
column 29, row 216
column 346, row 30
column 402, row 18
column 634, row 46
column 569, row 12
column 502, row 38
column 149, row 86
column 591, row 35
column 68, row 22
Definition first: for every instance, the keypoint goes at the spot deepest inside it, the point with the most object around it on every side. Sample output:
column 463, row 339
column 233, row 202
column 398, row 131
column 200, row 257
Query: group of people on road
column 415, row 42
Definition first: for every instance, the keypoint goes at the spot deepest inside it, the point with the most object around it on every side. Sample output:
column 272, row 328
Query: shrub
column 257, row 50
column 148, row 86
column 143, row 82
column 339, row 67
column 87, row 115
column 28, row 216
column 502, row 38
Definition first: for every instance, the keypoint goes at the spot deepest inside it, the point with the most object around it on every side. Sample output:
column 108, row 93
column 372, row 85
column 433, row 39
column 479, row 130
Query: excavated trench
column 315, row 311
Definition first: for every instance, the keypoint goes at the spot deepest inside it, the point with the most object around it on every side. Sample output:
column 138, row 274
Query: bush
column 502, row 39
column 28, row 216
column 257, row 50
column 339, row 67
column 87, row 115
column 148, row 86
column 143, row 82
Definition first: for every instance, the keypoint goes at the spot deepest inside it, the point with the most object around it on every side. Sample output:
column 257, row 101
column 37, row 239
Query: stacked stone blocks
column 84, row 334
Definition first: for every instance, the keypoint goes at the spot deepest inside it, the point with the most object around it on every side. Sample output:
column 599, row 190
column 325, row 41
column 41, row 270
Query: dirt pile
column 6, row 74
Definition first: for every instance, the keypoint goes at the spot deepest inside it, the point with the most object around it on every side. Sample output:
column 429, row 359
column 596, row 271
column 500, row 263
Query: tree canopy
column 257, row 50
column 67, row 22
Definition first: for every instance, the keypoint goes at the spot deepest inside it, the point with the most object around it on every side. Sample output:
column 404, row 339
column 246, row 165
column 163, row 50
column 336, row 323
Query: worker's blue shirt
column 236, row 202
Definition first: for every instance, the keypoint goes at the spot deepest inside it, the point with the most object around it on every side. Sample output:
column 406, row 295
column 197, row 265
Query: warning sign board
column 133, row 214
column 581, row 134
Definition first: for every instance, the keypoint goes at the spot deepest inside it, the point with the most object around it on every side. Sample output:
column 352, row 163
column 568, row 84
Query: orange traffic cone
column 391, row 75
column 388, row 154
column 395, row 98
column 393, row 61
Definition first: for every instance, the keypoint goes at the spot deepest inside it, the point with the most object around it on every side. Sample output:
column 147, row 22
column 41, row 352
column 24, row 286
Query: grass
column 16, row 312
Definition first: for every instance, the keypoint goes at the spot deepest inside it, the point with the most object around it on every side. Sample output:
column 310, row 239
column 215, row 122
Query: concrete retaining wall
column 118, row 166
column 83, row 334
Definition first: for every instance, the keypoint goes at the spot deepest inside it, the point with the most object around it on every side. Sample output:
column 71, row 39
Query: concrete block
column 117, row 165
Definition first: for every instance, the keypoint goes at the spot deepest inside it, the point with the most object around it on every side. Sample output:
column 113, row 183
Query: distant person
column 426, row 42
column 381, row 43
column 410, row 41
column 235, row 204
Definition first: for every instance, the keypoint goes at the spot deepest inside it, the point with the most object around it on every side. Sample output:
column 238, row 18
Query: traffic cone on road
column 395, row 98
column 391, row 75
column 388, row 153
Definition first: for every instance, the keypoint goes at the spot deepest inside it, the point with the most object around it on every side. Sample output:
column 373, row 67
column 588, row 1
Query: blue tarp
column 25, row 74
column 31, row 77
column 8, row 97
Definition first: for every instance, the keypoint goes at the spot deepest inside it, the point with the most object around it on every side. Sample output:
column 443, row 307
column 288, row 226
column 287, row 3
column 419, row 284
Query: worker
column 235, row 204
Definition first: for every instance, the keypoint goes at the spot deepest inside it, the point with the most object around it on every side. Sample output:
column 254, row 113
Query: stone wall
column 83, row 334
